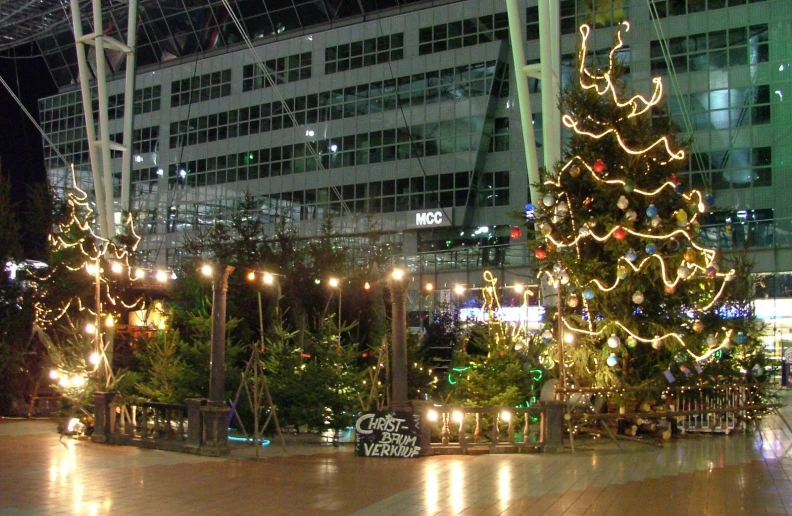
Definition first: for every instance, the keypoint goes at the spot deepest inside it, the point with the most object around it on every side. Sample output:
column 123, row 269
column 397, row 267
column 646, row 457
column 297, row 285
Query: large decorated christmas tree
column 617, row 236
column 83, row 292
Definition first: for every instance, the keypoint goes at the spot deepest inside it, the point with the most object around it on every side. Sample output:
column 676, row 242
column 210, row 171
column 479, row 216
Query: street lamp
column 335, row 283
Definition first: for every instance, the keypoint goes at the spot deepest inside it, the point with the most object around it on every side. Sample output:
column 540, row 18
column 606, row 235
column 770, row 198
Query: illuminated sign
column 429, row 218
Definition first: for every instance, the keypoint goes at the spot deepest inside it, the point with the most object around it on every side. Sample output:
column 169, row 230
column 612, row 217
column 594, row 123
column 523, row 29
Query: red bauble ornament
column 675, row 179
column 540, row 253
column 620, row 234
column 516, row 232
column 599, row 166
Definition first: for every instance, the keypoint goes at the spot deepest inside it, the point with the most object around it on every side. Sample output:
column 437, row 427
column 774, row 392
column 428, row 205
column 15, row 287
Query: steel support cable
column 676, row 88
column 35, row 123
column 309, row 145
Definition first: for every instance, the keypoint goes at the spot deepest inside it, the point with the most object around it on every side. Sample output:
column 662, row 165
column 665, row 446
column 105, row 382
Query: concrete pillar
column 103, row 414
column 423, row 407
column 194, row 424
column 215, row 428
column 553, row 426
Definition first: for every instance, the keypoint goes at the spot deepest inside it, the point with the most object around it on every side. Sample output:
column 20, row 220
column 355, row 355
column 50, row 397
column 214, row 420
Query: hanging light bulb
column 614, row 341
column 612, row 360
column 638, row 297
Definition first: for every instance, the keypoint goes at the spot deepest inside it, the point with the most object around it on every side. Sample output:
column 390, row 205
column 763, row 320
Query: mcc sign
column 430, row 218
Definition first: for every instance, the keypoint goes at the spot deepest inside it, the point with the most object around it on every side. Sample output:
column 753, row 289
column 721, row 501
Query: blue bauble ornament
column 612, row 360
column 631, row 256
column 588, row 294
column 529, row 208
column 651, row 248
column 673, row 245
column 709, row 200
column 742, row 338
column 679, row 189
column 651, row 211
column 547, row 336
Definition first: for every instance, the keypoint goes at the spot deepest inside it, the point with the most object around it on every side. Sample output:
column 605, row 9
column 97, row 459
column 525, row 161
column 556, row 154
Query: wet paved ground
column 740, row 474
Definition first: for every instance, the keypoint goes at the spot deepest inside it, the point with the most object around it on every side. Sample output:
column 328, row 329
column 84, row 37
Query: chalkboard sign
column 388, row 434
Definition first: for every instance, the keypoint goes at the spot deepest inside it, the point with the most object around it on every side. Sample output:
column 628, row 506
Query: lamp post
column 398, row 291
column 335, row 283
column 215, row 412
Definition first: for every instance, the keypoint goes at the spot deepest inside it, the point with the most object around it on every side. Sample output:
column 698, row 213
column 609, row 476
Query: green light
column 451, row 380
column 537, row 374
column 460, row 369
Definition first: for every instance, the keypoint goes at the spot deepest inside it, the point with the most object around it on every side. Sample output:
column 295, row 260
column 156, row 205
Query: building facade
column 403, row 120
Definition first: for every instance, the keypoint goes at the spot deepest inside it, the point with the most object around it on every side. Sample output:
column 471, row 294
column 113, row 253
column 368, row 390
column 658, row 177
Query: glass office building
column 400, row 116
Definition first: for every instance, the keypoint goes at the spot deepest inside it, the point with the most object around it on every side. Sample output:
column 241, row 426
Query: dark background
column 21, row 150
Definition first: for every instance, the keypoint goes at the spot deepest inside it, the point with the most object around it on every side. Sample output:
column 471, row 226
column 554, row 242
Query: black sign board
column 388, row 434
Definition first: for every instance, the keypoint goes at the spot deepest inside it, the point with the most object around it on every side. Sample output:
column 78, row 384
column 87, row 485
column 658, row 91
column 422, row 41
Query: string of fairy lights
column 697, row 262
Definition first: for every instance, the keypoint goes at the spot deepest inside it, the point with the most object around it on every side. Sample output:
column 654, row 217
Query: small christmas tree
column 617, row 238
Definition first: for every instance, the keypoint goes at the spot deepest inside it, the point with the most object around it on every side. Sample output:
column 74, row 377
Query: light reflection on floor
column 706, row 474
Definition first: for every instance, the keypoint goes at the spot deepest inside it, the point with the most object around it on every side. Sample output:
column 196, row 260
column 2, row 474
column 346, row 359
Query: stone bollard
column 553, row 426
column 423, row 407
column 194, row 426
column 102, row 416
column 215, row 428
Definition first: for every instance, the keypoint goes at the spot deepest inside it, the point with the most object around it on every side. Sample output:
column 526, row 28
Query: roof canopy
column 170, row 29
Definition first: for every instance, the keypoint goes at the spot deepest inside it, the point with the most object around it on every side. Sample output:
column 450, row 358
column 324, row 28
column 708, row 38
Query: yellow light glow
column 457, row 416
column 206, row 270
column 251, row 276
column 94, row 359
column 90, row 328
column 397, row 274
column 333, row 282
column 268, row 278
column 505, row 416
column 162, row 276
column 54, row 374
column 519, row 288
column 431, row 415
column 91, row 269
column 139, row 274
column 109, row 322
column 459, row 290
column 117, row 268
column 429, row 287
column 77, row 381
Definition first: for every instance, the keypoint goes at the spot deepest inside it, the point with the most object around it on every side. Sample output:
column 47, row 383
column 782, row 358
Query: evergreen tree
column 15, row 317
column 641, row 296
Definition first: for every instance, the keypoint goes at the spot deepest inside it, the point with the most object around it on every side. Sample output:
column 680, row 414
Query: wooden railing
column 463, row 430
column 721, row 408
column 150, row 421
column 164, row 426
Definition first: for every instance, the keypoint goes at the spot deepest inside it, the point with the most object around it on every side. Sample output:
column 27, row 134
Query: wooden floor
column 738, row 474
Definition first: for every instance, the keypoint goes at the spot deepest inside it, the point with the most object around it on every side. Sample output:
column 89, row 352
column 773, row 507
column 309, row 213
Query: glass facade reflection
column 410, row 108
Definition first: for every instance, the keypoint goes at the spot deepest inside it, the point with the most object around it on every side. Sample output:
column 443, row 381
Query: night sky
column 21, row 151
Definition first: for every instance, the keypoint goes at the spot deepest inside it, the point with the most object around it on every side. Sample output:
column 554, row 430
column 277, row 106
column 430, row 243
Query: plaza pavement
column 697, row 475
